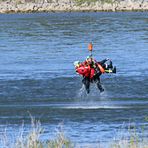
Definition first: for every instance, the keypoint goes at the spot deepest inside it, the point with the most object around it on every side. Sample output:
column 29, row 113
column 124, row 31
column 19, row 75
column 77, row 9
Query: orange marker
column 90, row 47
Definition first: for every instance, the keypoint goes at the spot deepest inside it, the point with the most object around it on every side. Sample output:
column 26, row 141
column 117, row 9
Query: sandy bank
column 14, row 6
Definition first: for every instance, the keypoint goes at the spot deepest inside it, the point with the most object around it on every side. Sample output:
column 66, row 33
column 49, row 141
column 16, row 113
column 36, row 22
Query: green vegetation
column 80, row 2
column 132, row 140
column 33, row 139
column 146, row 118
column 108, row 1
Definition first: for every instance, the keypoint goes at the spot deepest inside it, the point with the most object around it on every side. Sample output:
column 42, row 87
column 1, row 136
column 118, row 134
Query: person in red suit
column 91, row 71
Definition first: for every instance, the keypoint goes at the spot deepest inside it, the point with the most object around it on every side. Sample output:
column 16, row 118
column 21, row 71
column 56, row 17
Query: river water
column 37, row 75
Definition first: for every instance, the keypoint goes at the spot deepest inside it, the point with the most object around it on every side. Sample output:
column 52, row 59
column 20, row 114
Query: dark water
column 37, row 76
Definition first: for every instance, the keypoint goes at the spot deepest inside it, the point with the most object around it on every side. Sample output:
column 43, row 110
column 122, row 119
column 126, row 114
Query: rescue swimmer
column 91, row 70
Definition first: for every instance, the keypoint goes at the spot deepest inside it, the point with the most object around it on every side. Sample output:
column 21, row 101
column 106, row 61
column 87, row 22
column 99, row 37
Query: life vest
column 101, row 68
column 92, row 73
column 85, row 71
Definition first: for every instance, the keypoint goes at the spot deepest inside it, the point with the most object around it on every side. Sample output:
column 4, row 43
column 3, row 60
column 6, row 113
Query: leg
column 109, row 68
column 110, row 64
column 114, row 69
column 100, row 87
column 97, row 81
column 86, row 82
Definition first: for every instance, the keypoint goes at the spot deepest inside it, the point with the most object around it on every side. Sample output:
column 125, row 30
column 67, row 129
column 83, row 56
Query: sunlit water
column 37, row 76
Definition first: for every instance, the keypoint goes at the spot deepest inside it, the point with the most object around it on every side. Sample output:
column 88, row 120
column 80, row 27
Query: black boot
column 114, row 69
column 110, row 65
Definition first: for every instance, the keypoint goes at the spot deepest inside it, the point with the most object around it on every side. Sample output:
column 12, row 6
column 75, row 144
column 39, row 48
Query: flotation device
column 90, row 47
column 101, row 68
column 85, row 71
column 92, row 73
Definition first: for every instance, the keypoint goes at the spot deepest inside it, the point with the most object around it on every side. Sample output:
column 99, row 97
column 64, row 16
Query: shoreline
column 81, row 11
column 19, row 6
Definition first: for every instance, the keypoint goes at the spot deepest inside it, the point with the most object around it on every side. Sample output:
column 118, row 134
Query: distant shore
column 26, row 6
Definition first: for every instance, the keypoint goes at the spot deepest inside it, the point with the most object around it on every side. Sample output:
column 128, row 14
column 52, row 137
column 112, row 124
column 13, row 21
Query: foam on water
column 94, row 93
column 81, row 93
column 93, row 107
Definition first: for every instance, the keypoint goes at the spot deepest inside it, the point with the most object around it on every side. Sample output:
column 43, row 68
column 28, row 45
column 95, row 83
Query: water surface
column 37, row 76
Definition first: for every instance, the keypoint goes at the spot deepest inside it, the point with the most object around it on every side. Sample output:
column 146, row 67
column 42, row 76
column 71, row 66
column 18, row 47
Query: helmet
column 88, row 57
column 76, row 63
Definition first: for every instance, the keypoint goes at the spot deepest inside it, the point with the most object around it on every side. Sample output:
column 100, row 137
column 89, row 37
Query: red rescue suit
column 86, row 71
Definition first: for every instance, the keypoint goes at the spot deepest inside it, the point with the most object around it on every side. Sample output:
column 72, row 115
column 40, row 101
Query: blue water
column 37, row 75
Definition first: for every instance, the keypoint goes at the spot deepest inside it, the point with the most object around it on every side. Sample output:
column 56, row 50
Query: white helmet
column 76, row 63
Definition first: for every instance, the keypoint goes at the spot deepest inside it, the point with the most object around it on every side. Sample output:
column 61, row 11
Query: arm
column 103, row 61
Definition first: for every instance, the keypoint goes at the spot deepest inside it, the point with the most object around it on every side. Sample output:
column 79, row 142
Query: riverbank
column 26, row 6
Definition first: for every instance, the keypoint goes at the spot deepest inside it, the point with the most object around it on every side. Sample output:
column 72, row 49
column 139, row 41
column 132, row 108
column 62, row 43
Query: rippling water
column 37, row 52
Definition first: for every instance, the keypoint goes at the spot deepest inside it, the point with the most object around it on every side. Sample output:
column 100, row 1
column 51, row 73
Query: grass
column 80, row 2
column 132, row 136
column 33, row 138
